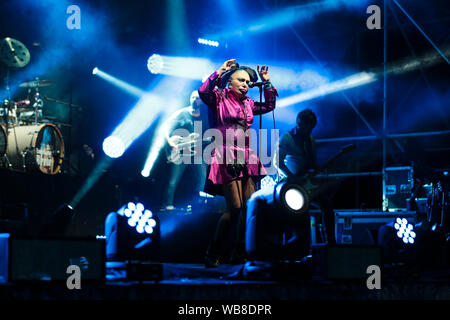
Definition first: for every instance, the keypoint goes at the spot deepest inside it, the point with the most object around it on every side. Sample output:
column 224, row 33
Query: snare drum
column 3, row 141
column 36, row 148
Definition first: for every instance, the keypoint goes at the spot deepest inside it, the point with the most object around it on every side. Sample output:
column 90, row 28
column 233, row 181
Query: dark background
column 331, row 41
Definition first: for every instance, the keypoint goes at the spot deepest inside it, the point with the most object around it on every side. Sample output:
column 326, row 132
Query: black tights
column 236, row 194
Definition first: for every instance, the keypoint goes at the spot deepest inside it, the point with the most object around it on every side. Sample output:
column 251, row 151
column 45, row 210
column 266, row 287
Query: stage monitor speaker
column 27, row 258
column 344, row 261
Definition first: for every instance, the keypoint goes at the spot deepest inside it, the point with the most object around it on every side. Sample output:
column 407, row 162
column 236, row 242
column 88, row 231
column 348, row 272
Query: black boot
column 239, row 255
column 212, row 257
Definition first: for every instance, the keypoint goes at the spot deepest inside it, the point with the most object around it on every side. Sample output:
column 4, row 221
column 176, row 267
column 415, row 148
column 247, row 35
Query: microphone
column 255, row 84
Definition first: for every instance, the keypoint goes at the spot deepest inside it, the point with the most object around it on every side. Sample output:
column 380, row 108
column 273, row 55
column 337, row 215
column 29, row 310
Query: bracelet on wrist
column 267, row 85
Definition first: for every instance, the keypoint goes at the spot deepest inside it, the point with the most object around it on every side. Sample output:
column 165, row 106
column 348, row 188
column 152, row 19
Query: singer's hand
column 264, row 73
column 226, row 66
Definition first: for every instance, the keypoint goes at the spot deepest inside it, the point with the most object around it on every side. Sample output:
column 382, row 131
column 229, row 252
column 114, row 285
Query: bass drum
column 3, row 141
column 36, row 148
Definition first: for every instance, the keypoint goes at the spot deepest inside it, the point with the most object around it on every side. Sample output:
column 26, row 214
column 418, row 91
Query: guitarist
column 184, row 119
column 297, row 156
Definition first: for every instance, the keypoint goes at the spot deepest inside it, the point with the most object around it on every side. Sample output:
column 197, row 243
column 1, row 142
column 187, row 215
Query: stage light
column 140, row 207
column 127, row 212
column 361, row 78
column 152, row 223
column 207, row 42
column 405, row 230
column 138, row 217
column 113, row 147
column 59, row 221
column 148, row 214
column 155, row 63
column 288, row 16
column 131, row 206
column 352, row 81
column 128, row 88
column 278, row 226
column 292, row 197
column 134, row 237
column 183, row 67
column 139, row 119
column 158, row 141
column 148, row 229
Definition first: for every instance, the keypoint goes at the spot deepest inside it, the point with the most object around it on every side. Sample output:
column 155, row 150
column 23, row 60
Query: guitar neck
column 329, row 162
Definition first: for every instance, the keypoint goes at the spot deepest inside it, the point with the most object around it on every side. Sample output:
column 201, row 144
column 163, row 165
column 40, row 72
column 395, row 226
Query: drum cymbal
column 36, row 84
column 14, row 53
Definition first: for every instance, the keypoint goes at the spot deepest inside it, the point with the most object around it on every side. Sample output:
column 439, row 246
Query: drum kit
column 28, row 143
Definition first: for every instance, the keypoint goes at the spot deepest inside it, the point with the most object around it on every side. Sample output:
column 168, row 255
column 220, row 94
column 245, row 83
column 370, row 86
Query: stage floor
column 195, row 282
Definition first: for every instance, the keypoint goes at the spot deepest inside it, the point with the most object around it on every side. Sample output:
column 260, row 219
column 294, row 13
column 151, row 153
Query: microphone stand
column 259, row 138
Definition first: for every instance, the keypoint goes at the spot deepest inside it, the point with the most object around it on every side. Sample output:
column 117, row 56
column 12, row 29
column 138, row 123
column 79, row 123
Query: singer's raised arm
column 207, row 91
column 270, row 94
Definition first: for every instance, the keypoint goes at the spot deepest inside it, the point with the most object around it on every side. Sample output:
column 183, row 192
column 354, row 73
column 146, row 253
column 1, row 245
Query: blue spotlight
column 140, row 207
column 132, row 222
column 148, row 229
column 113, row 147
column 294, row 199
column 148, row 213
column 127, row 212
column 352, row 81
column 138, row 217
column 155, row 63
column 405, row 230
column 183, row 67
column 132, row 233
column 151, row 223
column 207, row 42
column 131, row 206
column 130, row 89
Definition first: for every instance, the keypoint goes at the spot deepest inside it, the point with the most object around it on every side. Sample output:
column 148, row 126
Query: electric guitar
column 304, row 180
column 184, row 146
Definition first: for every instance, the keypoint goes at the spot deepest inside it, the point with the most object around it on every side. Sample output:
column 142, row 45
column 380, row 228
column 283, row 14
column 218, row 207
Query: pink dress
column 231, row 113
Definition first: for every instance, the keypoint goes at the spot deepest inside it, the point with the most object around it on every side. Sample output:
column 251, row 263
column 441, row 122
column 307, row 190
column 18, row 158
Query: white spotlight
column 155, row 63
column 294, row 199
column 113, row 147
column 207, row 42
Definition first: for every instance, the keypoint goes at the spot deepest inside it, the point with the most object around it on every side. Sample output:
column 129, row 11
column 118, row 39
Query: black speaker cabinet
column 27, row 258
column 344, row 262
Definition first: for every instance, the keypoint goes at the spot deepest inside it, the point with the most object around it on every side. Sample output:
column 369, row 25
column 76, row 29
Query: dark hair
column 235, row 67
column 306, row 116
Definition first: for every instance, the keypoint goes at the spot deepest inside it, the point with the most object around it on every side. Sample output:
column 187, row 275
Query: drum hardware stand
column 23, row 154
column 6, row 162
column 69, row 144
column 6, row 102
column 38, row 103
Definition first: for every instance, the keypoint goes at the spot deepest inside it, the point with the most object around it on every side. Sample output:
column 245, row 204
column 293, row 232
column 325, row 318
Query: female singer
column 228, row 176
